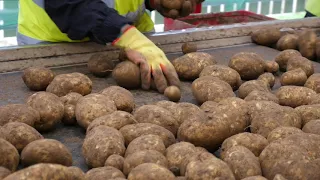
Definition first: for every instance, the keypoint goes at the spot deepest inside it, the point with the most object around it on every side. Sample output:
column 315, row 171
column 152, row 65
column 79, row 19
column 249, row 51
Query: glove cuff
column 121, row 34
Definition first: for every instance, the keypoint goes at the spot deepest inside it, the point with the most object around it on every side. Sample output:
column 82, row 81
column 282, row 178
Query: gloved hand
column 151, row 59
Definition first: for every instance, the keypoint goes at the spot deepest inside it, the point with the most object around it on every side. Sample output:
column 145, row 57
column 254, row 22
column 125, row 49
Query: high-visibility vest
column 313, row 6
column 35, row 26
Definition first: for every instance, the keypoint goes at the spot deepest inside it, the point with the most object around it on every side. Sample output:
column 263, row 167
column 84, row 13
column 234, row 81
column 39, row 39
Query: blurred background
column 278, row 9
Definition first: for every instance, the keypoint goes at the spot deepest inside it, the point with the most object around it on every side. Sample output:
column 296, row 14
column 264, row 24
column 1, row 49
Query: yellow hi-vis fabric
column 34, row 23
column 313, row 6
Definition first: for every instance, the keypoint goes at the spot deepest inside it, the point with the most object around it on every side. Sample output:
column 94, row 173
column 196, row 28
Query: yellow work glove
column 151, row 59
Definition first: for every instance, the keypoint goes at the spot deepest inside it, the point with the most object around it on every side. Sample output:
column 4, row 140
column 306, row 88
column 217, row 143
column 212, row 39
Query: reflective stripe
column 40, row 3
column 25, row 40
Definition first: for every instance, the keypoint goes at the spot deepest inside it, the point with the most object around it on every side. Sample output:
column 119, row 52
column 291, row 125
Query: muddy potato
column 312, row 127
column 279, row 177
column 254, row 85
column 104, row 173
column 313, row 82
column 254, row 142
column 99, row 65
column 117, row 120
column 209, row 88
column 188, row 47
column 307, row 44
column 63, row 84
column 255, row 178
column 301, row 62
column 268, row 78
column 242, row 162
column 180, row 178
column 283, row 57
column 9, row 155
column 176, row 153
column 249, row 65
column 173, row 108
column 195, row 156
column 93, row 106
column 150, row 171
column 266, row 36
column 262, row 96
column 146, row 142
column 46, row 151
column 282, row 132
column 171, row 4
column 172, row 93
column 49, row 106
column 69, row 116
column 188, row 111
column 315, row 100
column 295, row 77
column 4, row 172
column 20, row 134
column 122, row 98
column 18, row 113
column 127, row 75
column 190, row 65
column 76, row 173
column 271, row 66
column 224, row 73
column 71, row 98
column 156, row 115
column 115, row 161
column 309, row 112
column 100, row 143
column 288, row 41
column 37, row 78
column 132, row 131
column 294, row 96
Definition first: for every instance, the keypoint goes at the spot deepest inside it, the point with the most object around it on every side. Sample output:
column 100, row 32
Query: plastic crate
column 213, row 19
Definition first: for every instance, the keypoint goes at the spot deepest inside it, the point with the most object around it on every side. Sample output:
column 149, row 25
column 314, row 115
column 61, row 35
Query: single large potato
column 20, row 134
column 283, row 57
column 9, row 155
column 261, row 96
column 123, row 98
column 312, row 127
column 150, row 171
column 313, row 82
column 248, row 64
column 63, row 84
column 296, row 77
column 307, row 44
column 49, row 106
column 266, row 36
column 37, row 78
column 190, row 65
column 301, row 62
column 254, row 85
column 92, row 106
column 46, row 151
column 19, row 113
column 282, row 132
column 146, row 142
column 309, row 112
column 224, row 73
column 104, row 173
column 288, row 41
column 127, row 75
column 99, row 65
column 294, row 96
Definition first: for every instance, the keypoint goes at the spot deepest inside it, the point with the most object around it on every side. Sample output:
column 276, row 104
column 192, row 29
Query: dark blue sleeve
column 86, row 18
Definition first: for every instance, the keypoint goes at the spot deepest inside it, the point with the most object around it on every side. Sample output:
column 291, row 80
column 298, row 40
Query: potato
column 315, row 100
column 271, row 66
column 202, row 168
column 301, row 62
column 122, row 98
column 104, row 173
column 100, row 143
column 99, row 65
column 71, row 98
column 156, row 115
column 63, row 84
column 172, row 93
column 307, row 44
column 313, row 82
column 49, row 106
column 150, row 171
column 282, row 132
column 180, row 178
column 188, row 47
column 46, row 151
column 18, row 113
column 211, row 128
column 262, row 96
column 266, row 36
column 4, row 172
column 146, row 156
column 288, row 41
column 209, row 88
column 254, row 85
column 242, row 162
column 146, row 142
column 312, row 127
column 295, row 77
column 195, row 156
column 190, row 65
column 294, row 96
column 127, row 75
column 115, row 161
column 176, row 153
column 93, row 106
column 283, row 57
column 318, row 50
column 132, row 131
column 20, row 134
column 171, row 4
column 224, row 73
column 188, row 111
column 37, row 78
column 254, row 142
column 45, row 171
column 279, row 177
column 255, row 178
column 117, row 120
column 9, row 155
column 248, row 64
column 69, row 116
column 267, row 78
column 295, row 157
column 76, row 173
